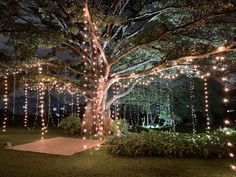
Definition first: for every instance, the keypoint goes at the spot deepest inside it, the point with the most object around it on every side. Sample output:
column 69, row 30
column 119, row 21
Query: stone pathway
column 59, row 146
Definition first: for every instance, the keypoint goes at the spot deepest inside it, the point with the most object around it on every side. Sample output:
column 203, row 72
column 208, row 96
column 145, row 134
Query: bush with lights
column 119, row 127
column 168, row 144
column 71, row 124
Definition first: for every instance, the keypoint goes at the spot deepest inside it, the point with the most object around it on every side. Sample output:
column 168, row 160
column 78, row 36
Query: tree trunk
column 96, row 119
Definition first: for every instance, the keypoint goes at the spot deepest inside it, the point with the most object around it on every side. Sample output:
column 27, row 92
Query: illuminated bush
column 167, row 144
column 71, row 124
column 119, row 127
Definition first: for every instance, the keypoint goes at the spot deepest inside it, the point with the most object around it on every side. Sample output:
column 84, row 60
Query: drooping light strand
column 227, row 122
column 49, row 108
column 206, row 95
column 37, row 107
column 78, row 104
column 5, row 100
column 58, row 107
column 114, row 106
column 192, row 102
column 230, row 144
column 40, row 69
column 26, row 106
column 41, row 106
column 63, row 108
column 72, row 103
column 117, row 110
column 117, row 102
column 223, row 68
column 14, row 96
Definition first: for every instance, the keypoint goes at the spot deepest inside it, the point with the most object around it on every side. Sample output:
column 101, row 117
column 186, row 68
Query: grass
column 96, row 163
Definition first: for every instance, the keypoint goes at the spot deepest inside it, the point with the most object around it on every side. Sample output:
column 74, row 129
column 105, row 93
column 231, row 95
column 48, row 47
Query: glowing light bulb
column 233, row 167
column 226, row 122
column 229, row 144
column 221, row 48
column 214, row 67
column 225, row 100
column 226, row 89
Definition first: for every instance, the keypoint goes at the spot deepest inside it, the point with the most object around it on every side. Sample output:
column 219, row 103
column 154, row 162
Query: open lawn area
column 98, row 163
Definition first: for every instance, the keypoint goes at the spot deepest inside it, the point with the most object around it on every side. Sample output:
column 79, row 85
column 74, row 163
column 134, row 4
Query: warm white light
column 229, row 144
column 225, row 100
column 26, row 106
column 228, row 133
column 233, row 167
column 223, row 79
column 221, row 48
column 222, row 58
column 226, row 89
column 226, row 122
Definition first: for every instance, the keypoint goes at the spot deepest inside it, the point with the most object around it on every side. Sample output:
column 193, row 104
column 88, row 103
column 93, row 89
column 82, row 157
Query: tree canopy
column 102, row 42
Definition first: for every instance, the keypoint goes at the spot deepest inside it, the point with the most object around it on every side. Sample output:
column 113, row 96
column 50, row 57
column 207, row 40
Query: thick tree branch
column 165, row 63
column 116, row 97
column 95, row 38
column 164, row 33
column 131, row 68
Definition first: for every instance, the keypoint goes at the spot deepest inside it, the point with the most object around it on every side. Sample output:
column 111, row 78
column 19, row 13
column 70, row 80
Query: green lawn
column 98, row 163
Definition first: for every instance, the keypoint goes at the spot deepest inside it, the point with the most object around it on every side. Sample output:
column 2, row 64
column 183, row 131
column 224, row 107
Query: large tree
column 111, row 41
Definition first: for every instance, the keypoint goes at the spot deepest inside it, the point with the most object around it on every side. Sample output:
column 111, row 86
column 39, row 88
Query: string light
column 37, row 107
column 84, row 125
column 226, row 101
column 58, row 107
column 5, row 100
column 206, row 95
column 78, row 104
column 41, row 103
column 72, row 103
column 229, row 144
column 49, row 107
column 192, row 97
column 63, row 108
column 14, row 96
column 26, row 106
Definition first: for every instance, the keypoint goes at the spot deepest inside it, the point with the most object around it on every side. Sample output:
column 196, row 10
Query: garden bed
column 167, row 144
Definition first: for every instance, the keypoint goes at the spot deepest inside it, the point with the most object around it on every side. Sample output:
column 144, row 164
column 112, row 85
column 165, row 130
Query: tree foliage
column 110, row 41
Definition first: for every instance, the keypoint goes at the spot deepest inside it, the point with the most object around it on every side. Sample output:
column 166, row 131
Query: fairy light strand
column 5, row 100
column 41, row 106
column 14, row 96
column 37, row 106
column 192, row 98
column 78, row 104
column 26, row 106
column 206, row 95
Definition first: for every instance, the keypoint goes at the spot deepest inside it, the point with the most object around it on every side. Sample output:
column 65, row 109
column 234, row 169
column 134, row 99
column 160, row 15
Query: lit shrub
column 71, row 124
column 119, row 127
column 168, row 144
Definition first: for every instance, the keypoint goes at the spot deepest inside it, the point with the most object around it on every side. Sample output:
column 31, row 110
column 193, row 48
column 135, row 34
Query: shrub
column 71, row 124
column 119, row 127
column 167, row 144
